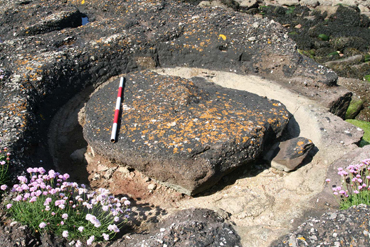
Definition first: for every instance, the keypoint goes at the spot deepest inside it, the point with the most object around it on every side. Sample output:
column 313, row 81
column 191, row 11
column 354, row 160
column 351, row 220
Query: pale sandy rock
column 363, row 8
column 311, row 3
column 247, row 3
column 330, row 10
column 215, row 3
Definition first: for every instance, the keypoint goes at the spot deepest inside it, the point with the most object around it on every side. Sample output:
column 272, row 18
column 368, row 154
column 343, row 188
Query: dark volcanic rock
column 185, row 133
column 291, row 153
column 190, row 227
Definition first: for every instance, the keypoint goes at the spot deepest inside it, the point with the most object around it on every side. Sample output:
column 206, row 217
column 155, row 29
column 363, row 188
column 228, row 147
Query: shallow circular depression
column 258, row 202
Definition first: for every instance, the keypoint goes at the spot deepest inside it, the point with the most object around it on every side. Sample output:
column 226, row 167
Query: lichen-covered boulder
column 184, row 133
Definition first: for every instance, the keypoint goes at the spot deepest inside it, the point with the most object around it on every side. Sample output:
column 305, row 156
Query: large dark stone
column 191, row 227
column 185, row 133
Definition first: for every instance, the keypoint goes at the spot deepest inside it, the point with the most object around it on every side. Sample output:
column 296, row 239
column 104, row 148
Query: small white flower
column 42, row 225
column 106, row 236
column 65, row 234
column 90, row 240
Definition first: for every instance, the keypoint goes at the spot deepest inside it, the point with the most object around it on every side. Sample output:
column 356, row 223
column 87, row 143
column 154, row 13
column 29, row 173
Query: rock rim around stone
column 185, row 133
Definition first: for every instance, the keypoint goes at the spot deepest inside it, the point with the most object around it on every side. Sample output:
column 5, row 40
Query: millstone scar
column 185, row 133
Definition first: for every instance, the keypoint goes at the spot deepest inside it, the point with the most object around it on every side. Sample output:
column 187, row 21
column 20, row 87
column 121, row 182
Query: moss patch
column 354, row 108
column 367, row 78
column 365, row 126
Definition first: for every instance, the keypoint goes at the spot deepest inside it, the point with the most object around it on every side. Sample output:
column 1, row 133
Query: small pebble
column 152, row 186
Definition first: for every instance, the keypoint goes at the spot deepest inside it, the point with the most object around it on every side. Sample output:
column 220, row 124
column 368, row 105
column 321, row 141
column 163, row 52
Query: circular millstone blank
column 184, row 133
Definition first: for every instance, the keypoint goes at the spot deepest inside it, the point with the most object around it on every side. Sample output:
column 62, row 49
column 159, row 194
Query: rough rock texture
column 41, row 72
column 339, row 228
column 288, row 155
column 194, row 130
column 190, row 227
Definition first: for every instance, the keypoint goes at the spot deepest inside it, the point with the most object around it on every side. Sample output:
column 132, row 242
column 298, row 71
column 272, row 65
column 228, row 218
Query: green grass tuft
column 363, row 125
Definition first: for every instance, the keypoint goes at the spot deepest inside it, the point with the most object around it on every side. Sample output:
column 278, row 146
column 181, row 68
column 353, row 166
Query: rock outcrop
column 190, row 227
column 185, row 133
column 43, row 71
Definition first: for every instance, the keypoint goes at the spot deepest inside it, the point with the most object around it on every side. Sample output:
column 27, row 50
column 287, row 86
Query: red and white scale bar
column 116, row 113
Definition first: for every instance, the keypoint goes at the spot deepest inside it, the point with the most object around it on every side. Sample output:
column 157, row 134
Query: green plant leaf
column 323, row 37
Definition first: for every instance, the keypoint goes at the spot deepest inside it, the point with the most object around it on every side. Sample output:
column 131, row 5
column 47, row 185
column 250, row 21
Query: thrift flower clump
column 355, row 185
column 4, row 166
column 47, row 202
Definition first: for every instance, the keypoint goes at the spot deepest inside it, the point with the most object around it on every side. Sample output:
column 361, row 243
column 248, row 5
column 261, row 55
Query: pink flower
column 327, row 180
column 65, row 234
column 81, row 228
column 3, row 187
column 9, row 205
column 62, row 222
column 23, row 179
column 47, row 201
column 90, row 240
column 33, row 199
column 42, row 225
column 52, row 213
column 88, row 217
column 113, row 228
column 59, row 202
column 18, row 198
column 65, row 176
column 106, row 236
column 78, row 243
column 24, row 187
column 65, row 216
column 41, row 170
column 356, row 191
column 127, row 202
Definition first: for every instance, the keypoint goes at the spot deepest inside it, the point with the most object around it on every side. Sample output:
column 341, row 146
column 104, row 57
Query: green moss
column 367, row 78
column 323, row 37
column 354, row 108
column 367, row 58
column 333, row 55
column 365, row 126
column 290, row 10
column 293, row 33
column 309, row 53
column 263, row 9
